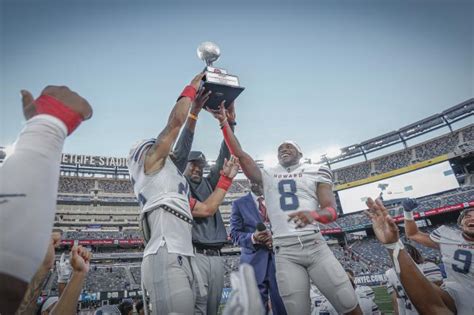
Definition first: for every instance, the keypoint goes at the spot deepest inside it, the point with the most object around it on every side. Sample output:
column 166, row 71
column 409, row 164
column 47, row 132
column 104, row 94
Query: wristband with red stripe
column 224, row 182
column 323, row 219
column 46, row 104
column 189, row 91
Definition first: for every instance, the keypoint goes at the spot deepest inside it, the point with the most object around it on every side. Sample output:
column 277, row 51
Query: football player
column 29, row 187
column 400, row 301
column 297, row 197
column 457, row 251
column 167, row 213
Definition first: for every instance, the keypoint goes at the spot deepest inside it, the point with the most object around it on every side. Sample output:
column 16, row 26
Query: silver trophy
column 224, row 86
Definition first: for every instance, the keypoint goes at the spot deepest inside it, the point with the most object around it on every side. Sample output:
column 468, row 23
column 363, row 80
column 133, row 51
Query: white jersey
column 457, row 255
column 366, row 303
column 316, row 299
column 292, row 189
column 167, row 187
column 365, row 290
column 405, row 306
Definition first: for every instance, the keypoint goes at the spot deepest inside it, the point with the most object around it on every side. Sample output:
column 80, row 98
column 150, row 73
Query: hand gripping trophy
column 224, row 86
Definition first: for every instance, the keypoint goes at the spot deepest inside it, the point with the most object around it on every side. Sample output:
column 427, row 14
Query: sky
column 325, row 74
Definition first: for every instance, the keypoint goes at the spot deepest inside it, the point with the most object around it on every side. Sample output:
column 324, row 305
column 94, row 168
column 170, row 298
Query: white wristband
column 396, row 247
column 408, row 215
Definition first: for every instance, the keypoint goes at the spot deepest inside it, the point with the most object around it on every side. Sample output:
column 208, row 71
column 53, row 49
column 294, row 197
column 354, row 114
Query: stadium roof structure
column 444, row 119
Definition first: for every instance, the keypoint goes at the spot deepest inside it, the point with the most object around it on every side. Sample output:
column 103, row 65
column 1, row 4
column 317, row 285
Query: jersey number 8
column 288, row 198
column 465, row 257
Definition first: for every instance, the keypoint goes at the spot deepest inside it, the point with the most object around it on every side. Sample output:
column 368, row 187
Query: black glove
column 409, row 204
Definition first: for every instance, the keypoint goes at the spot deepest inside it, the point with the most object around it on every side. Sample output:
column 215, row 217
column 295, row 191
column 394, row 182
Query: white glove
column 63, row 266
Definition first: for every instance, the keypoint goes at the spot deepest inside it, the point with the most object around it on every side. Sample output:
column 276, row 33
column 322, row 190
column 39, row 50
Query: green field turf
column 382, row 299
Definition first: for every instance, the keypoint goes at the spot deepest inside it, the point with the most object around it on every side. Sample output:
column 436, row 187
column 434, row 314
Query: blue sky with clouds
column 323, row 73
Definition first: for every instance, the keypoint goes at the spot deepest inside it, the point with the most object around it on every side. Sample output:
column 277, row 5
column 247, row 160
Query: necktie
column 262, row 209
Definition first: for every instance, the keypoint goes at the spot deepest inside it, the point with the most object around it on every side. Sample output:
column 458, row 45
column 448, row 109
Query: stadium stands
column 430, row 149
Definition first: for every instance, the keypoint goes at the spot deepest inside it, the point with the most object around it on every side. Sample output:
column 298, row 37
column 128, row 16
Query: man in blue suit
column 256, row 247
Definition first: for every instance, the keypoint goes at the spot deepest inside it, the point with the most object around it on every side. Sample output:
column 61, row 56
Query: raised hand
column 62, row 93
column 231, row 167
column 201, row 98
column 409, row 204
column 383, row 225
column 220, row 113
column 54, row 242
column 230, row 112
column 80, row 259
column 196, row 81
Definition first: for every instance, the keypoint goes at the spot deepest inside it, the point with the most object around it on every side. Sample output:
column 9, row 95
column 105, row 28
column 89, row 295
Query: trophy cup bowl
column 208, row 52
column 223, row 86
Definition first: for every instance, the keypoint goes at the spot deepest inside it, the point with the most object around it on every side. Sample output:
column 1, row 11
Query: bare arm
column 185, row 140
column 80, row 262
column 326, row 200
column 28, row 304
column 157, row 154
column 414, row 234
column 248, row 165
column 209, row 207
column 419, row 290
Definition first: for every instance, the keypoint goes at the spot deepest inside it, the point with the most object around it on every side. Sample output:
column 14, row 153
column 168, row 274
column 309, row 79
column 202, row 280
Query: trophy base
column 221, row 92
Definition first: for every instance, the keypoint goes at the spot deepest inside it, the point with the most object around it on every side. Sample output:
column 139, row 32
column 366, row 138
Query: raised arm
column 28, row 305
column 80, row 263
column 420, row 291
column 248, row 165
column 209, row 207
column 185, row 140
column 157, row 154
column 411, row 229
column 224, row 152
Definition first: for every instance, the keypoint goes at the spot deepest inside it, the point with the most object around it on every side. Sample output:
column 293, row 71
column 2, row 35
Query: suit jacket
column 243, row 222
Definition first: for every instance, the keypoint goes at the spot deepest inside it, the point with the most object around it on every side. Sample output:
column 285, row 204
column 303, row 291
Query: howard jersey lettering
column 166, row 187
column 292, row 189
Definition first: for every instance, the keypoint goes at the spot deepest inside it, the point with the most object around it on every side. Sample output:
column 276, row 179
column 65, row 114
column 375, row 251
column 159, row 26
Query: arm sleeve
column 432, row 272
column 324, row 175
column 136, row 156
column 182, row 149
column 437, row 234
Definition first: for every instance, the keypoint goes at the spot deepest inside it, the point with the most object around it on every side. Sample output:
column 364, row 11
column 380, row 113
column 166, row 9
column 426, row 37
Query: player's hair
column 414, row 253
column 463, row 214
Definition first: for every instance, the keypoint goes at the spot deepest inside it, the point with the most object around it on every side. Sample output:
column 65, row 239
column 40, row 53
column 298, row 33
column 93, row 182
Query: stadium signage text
column 436, row 211
column 91, row 160
column 375, row 279
column 103, row 242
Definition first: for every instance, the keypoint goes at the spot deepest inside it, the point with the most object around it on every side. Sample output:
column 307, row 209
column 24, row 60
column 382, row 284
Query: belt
column 207, row 251
column 177, row 214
